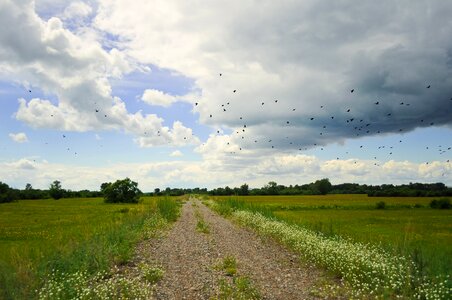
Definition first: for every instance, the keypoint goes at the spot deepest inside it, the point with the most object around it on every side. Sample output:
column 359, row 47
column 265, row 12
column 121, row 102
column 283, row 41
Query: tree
column 121, row 191
column 156, row 191
column 104, row 185
column 55, row 190
column 7, row 194
column 244, row 190
column 272, row 188
column 323, row 186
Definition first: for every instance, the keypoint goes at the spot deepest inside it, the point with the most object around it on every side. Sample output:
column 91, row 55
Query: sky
column 207, row 94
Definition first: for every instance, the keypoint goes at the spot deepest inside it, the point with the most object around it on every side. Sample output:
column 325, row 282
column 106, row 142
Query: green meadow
column 68, row 235
column 407, row 225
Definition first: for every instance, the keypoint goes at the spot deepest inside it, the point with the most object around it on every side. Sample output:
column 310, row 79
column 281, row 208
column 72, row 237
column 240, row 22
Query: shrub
column 443, row 203
column 121, row 191
column 380, row 205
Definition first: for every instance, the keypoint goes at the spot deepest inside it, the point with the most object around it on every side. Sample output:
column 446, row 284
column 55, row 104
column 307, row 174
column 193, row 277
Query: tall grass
column 227, row 206
column 168, row 208
column 70, row 236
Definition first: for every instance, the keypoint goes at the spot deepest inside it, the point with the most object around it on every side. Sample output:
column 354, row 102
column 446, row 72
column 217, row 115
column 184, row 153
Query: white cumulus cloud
column 19, row 137
column 176, row 153
column 75, row 68
column 156, row 97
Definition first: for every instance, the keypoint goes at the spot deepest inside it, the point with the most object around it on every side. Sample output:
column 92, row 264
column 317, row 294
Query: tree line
column 127, row 188
column 323, row 186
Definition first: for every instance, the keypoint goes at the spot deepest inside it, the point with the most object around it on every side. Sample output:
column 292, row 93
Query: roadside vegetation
column 390, row 258
column 235, row 286
column 67, row 249
column 201, row 224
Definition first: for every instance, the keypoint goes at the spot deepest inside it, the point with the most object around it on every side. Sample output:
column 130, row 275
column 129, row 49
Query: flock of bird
column 359, row 127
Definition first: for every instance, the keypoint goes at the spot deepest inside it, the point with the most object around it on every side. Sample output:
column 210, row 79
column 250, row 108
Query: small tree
column 121, row 191
column 55, row 190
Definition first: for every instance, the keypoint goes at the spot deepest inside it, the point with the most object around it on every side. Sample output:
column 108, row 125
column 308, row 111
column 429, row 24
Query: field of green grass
column 68, row 235
column 407, row 226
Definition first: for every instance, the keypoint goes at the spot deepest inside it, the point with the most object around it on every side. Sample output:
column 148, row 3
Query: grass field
column 68, row 235
column 407, row 226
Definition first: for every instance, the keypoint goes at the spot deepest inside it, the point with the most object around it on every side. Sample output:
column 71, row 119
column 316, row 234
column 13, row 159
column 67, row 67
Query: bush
column 380, row 205
column 443, row 203
column 121, row 191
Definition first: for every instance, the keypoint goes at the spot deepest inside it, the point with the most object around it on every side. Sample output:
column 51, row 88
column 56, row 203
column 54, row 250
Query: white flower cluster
column 369, row 269
column 81, row 285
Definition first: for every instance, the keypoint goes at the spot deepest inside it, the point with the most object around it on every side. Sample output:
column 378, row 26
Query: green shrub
column 443, row 203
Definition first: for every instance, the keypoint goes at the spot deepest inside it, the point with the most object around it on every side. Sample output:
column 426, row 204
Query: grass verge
column 369, row 269
column 72, row 244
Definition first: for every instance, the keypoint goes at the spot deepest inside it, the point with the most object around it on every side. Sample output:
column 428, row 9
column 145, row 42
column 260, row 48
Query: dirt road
column 189, row 256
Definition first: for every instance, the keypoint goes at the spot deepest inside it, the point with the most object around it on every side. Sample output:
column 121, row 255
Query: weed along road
column 220, row 260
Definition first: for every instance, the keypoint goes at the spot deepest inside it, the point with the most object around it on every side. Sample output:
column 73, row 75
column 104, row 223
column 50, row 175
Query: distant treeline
column 8, row 194
column 319, row 187
column 323, row 186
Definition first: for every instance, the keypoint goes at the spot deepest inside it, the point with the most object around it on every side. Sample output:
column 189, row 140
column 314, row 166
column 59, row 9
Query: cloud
column 285, row 169
column 77, row 9
column 20, row 137
column 308, row 55
column 176, row 153
column 22, row 164
column 74, row 67
column 155, row 97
